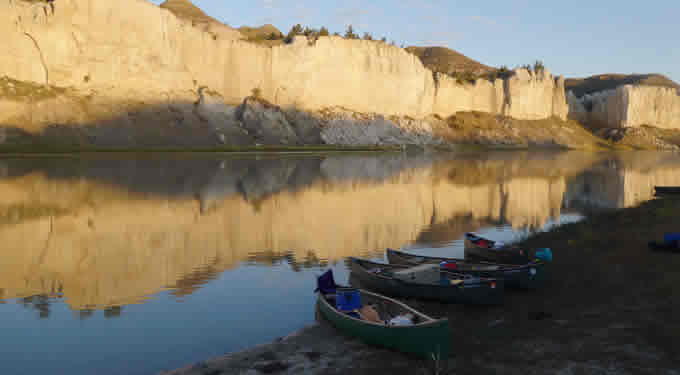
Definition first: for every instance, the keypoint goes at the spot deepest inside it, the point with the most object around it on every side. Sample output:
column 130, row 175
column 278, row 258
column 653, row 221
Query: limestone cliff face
column 534, row 95
column 628, row 106
column 364, row 76
column 121, row 51
column 658, row 106
column 482, row 96
column 560, row 107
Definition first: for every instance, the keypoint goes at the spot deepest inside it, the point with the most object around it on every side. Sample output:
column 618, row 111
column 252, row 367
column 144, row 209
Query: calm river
column 124, row 265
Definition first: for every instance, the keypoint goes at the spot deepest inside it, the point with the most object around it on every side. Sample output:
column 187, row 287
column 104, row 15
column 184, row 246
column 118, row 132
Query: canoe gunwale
column 667, row 189
column 502, row 266
column 387, row 265
column 484, row 282
column 429, row 320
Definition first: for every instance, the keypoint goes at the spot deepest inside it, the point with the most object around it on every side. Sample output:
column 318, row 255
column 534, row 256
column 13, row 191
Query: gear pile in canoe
column 522, row 276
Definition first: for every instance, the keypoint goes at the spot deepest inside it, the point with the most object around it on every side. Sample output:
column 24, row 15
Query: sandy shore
column 610, row 308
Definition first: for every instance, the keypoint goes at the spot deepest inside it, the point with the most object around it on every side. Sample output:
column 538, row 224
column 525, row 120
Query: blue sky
column 573, row 38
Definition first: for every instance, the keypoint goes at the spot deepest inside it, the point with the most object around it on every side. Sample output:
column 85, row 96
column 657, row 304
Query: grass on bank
column 27, row 91
column 18, row 213
column 28, row 149
column 613, row 234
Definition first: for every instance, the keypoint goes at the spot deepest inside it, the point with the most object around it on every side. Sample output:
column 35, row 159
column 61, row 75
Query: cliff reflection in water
column 103, row 233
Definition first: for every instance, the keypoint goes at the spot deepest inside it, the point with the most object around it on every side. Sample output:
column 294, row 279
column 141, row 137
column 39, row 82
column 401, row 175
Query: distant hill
column 448, row 61
column 262, row 34
column 264, row 31
column 589, row 85
column 186, row 10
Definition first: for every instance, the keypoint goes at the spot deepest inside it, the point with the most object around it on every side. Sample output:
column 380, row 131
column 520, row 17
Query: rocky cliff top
column 448, row 61
column 589, row 85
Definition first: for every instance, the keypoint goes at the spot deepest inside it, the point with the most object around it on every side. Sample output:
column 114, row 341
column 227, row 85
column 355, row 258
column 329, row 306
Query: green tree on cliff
column 349, row 33
column 538, row 66
column 275, row 36
column 295, row 30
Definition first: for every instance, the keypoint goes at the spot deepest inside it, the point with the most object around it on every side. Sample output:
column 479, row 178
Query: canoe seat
column 427, row 273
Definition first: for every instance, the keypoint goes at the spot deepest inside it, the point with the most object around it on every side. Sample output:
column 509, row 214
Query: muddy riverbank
column 609, row 308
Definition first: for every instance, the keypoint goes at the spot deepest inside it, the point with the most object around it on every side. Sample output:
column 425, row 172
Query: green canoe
column 427, row 337
column 667, row 190
column 526, row 276
column 480, row 248
column 449, row 287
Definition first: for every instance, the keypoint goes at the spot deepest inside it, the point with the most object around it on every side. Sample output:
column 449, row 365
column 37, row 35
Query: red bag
column 449, row 265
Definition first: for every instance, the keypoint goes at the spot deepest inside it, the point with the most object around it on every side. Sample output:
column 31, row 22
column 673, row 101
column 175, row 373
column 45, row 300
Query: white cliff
column 131, row 54
column 628, row 106
column 534, row 95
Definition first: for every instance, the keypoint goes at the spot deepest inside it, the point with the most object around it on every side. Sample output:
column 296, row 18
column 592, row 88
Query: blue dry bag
column 347, row 299
column 669, row 238
column 544, row 254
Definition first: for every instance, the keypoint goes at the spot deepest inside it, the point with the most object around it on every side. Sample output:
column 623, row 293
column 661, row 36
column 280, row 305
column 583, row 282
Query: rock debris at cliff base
column 45, row 115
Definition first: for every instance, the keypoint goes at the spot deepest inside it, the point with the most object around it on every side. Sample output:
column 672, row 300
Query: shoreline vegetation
column 56, row 150
column 609, row 308
column 51, row 150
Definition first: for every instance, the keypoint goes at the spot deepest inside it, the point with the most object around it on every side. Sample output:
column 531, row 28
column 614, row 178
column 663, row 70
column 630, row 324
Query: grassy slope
column 262, row 34
column 186, row 10
column 259, row 32
column 444, row 60
column 50, row 149
column 484, row 128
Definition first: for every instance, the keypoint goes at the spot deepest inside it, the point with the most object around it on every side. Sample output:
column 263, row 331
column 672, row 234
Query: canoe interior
column 522, row 276
column 426, row 338
column 480, row 241
column 386, row 308
column 386, row 271
column 481, row 248
column 398, row 257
